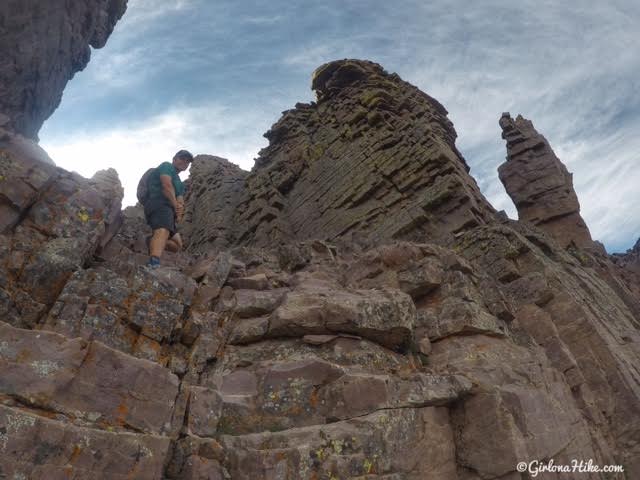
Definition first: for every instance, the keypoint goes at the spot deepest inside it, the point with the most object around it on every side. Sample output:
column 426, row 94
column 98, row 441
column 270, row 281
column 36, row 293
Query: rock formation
column 215, row 187
column 350, row 309
column 43, row 45
column 624, row 276
column 630, row 260
column 374, row 159
column 540, row 185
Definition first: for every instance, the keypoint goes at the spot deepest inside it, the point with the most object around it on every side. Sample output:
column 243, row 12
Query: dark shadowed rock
column 43, row 45
column 218, row 185
column 625, row 277
column 375, row 158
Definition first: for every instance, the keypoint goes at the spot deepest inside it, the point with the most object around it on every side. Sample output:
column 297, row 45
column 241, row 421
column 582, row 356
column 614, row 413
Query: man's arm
column 168, row 191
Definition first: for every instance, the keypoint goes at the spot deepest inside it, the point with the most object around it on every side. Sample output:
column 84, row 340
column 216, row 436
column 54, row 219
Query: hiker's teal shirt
column 155, row 185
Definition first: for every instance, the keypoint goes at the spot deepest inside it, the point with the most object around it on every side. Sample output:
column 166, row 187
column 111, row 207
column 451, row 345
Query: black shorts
column 160, row 215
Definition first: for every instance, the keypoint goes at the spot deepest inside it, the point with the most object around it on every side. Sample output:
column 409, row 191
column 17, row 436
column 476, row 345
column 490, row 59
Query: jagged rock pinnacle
column 375, row 159
column 540, row 185
column 269, row 350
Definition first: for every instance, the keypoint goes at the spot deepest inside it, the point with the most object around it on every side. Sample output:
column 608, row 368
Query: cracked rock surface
column 405, row 360
column 374, row 159
column 350, row 309
column 540, row 185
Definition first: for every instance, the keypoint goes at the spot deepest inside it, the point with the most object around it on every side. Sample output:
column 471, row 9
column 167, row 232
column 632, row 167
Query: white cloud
column 139, row 47
column 311, row 57
column 606, row 180
column 572, row 70
column 123, row 69
column 263, row 20
column 143, row 12
column 132, row 150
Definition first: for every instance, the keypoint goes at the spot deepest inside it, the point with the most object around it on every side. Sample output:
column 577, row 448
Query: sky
column 212, row 77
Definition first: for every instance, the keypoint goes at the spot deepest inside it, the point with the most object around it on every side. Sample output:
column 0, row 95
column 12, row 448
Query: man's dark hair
column 184, row 154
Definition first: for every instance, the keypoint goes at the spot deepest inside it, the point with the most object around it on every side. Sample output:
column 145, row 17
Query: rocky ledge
column 373, row 160
column 352, row 308
column 311, row 359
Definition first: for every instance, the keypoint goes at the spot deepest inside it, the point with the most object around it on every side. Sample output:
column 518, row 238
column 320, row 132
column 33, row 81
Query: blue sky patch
column 212, row 77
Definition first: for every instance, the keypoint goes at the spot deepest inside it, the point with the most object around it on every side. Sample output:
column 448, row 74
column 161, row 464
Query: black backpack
column 143, row 186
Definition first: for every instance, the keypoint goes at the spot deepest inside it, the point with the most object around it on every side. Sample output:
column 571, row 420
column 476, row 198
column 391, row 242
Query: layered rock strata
column 630, row 261
column 52, row 222
column 374, row 159
column 402, row 361
column 540, row 185
column 484, row 344
column 214, row 190
column 43, row 45
column 624, row 277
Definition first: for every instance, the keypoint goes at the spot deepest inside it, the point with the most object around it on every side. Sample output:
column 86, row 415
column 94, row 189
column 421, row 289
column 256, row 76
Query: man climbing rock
column 164, row 206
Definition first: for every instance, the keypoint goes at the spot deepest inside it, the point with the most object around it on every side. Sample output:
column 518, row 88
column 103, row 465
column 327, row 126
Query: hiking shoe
column 154, row 262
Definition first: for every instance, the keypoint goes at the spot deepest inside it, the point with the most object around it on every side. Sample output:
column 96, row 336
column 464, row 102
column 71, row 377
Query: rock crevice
column 351, row 308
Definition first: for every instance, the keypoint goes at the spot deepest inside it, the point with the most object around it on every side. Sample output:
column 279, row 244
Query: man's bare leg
column 158, row 242
column 174, row 244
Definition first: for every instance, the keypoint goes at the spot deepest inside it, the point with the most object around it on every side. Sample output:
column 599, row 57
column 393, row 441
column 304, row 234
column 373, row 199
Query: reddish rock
column 346, row 352
column 254, row 282
column 420, row 278
column 249, row 330
column 424, row 345
column 319, row 339
column 90, row 382
column 505, row 414
column 540, row 185
column 195, row 458
column 580, row 327
column 253, row 303
column 136, row 314
column 403, row 443
column 53, row 222
column 33, row 446
column 294, row 357
column 384, row 316
column 204, row 412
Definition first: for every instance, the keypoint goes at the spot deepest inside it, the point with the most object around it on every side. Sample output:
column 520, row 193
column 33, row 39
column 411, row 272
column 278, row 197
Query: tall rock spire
column 540, row 185
column 374, row 159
